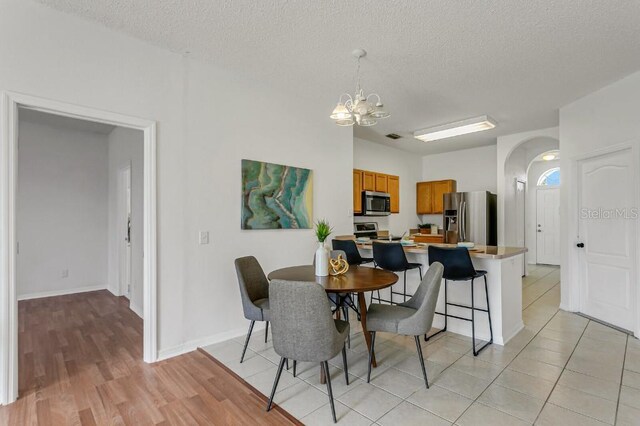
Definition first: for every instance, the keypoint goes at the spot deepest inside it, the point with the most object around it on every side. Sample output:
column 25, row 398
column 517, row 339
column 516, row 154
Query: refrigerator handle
column 462, row 222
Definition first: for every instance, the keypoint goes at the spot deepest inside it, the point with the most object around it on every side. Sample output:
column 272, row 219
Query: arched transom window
column 550, row 178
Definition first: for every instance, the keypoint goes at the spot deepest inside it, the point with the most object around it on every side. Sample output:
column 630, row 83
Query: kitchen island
column 504, row 281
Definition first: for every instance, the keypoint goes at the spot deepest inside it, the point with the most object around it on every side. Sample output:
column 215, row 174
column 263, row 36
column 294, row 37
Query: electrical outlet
column 204, row 237
column 64, row 273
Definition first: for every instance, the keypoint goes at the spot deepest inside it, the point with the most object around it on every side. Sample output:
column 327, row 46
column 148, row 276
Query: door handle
column 580, row 245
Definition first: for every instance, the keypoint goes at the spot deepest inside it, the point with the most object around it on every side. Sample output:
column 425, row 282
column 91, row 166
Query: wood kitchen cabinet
column 368, row 181
column 393, row 187
column 430, row 195
column 364, row 180
column 424, row 197
column 357, row 191
column 381, row 183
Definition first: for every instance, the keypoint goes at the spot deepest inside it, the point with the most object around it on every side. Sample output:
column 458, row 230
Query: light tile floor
column 562, row 369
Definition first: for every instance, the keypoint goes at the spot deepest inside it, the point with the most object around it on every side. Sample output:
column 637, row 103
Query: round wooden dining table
column 358, row 279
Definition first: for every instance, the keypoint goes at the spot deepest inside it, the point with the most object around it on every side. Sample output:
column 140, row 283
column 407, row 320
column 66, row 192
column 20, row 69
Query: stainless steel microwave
column 376, row 203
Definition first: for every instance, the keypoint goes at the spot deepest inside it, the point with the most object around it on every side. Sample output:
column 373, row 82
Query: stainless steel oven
column 376, row 203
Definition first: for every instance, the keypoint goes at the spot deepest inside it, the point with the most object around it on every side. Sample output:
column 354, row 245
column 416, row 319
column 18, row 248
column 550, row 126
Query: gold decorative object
column 338, row 266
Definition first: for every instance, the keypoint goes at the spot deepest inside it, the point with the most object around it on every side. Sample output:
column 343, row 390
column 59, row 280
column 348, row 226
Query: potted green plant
column 323, row 230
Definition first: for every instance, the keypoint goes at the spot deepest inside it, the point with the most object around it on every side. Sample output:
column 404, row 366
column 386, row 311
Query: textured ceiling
column 433, row 62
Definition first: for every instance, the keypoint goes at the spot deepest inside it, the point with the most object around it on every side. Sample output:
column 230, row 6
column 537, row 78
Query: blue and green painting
column 276, row 196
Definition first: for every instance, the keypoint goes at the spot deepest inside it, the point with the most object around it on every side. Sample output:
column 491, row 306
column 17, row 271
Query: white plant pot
column 322, row 260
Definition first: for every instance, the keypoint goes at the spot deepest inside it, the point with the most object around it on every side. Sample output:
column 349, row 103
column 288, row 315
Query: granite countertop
column 482, row 252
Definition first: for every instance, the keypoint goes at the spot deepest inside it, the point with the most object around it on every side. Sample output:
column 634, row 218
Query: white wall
column 473, row 169
column 126, row 148
column 208, row 120
column 407, row 166
column 607, row 117
column 536, row 169
column 61, row 210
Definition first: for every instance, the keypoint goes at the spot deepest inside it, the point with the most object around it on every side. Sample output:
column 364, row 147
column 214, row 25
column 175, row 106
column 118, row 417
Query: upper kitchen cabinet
column 368, row 181
column 357, row 191
column 393, row 187
column 430, row 195
column 382, row 183
column 424, row 198
column 364, row 180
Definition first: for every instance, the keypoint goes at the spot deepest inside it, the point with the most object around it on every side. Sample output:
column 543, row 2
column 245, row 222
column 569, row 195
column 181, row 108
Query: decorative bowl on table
column 408, row 243
column 466, row 244
column 363, row 240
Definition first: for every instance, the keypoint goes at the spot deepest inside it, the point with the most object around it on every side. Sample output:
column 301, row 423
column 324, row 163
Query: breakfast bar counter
column 504, row 280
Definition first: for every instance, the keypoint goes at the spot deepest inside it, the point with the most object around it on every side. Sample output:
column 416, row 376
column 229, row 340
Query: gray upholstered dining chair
column 304, row 330
column 254, row 292
column 343, row 301
column 411, row 318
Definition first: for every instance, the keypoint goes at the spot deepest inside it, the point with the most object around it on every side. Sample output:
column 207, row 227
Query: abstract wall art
column 276, row 196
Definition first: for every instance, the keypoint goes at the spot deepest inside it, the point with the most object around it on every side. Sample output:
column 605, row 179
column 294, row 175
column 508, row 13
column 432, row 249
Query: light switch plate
column 204, row 237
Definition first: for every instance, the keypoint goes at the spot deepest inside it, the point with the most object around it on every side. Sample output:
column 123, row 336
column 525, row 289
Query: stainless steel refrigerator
column 470, row 217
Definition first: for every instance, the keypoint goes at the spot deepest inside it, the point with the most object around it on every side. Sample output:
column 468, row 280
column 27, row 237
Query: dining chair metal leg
column 287, row 363
column 246, row 341
column 325, row 366
column 295, row 364
column 404, row 291
column 373, row 342
column 275, row 383
column 424, row 371
column 345, row 313
column 344, row 365
column 266, row 332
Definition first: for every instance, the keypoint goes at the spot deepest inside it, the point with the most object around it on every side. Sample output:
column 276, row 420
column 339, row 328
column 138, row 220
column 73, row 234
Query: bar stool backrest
column 350, row 249
column 456, row 261
column 390, row 256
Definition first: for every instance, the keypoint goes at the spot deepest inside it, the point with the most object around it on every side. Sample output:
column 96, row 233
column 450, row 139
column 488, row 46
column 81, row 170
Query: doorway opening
column 543, row 210
column 59, row 231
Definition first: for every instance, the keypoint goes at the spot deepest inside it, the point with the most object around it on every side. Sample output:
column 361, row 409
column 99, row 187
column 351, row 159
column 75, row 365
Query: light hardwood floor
column 81, row 362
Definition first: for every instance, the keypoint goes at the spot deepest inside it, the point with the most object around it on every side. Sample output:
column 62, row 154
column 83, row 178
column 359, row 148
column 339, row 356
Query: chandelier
column 358, row 109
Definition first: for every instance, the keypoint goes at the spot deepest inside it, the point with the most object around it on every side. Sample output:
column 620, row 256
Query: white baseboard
column 511, row 335
column 136, row 309
column 61, row 292
column 566, row 308
column 205, row 341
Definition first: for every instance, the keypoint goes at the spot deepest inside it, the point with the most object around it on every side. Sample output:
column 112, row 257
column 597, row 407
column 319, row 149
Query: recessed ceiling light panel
column 457, row 128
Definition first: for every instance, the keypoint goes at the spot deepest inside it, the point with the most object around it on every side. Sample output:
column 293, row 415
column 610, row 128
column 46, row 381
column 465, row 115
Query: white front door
column 547, row 227
column 607, row 237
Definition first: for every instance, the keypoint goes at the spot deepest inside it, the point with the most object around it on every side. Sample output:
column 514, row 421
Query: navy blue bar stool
column 350, row 248
column 458, row 267
column 390, row 256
